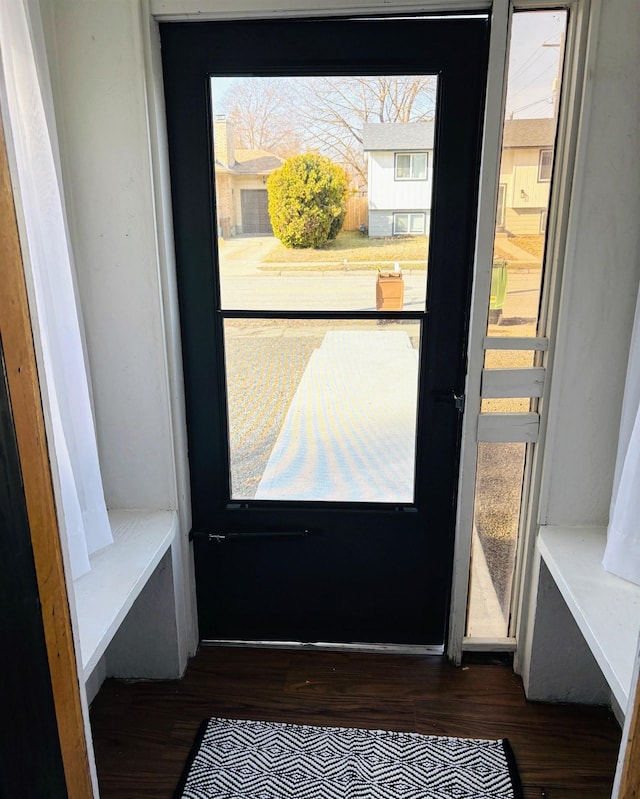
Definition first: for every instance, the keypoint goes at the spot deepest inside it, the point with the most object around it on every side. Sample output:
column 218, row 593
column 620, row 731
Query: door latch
column 449, row 396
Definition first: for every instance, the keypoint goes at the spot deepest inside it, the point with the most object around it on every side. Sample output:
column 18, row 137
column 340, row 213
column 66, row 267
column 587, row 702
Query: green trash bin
column 498, row 291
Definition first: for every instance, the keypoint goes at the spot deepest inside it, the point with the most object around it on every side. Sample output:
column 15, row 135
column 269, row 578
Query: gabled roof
column 529, row 132
column 397, row 136
column 419, row 135
column 251, row 162
column 255, row 162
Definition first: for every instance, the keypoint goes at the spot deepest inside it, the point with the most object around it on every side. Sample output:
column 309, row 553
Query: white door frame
column 581, row 13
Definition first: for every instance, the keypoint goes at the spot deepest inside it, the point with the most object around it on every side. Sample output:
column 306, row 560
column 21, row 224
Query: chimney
column 223, row 147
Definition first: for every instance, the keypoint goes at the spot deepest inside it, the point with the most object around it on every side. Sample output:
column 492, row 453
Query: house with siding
column 241, row 176
column 525, row 175
column 400, row 167
column 399, row 174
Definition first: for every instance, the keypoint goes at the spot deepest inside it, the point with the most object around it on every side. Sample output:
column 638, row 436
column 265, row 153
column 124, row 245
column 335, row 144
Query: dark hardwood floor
column 143, row 731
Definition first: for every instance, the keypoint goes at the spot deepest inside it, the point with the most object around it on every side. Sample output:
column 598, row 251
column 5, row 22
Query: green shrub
column 307, row 196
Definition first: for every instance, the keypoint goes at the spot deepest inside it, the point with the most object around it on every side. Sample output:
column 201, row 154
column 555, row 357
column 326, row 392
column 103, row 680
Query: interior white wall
column 562, row 667
column 600, row 283
column 96, row 54
column 100, row 99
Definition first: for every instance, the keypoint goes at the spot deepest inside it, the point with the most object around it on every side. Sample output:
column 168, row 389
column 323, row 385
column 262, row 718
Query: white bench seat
column 118, row 574
column 606, row 608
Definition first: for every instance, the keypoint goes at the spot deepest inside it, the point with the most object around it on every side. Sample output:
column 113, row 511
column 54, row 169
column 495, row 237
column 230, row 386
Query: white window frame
column 410, row 215
column 557, row 232
column 411, row 156
column 545, row 152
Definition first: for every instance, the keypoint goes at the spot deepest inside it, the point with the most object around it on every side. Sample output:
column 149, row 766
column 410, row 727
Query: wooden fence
column 357, row 213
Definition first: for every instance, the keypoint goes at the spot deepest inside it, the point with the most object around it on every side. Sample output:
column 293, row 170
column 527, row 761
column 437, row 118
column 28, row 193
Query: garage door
column 255, row 213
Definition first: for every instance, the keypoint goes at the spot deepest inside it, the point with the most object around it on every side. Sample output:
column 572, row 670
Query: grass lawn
column 533, row 244
column 354, row 248
column 353, row 251
column 531, row 251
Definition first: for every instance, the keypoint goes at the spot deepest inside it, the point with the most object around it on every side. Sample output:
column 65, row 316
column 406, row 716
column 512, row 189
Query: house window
column 545, row 164
column 408, row 224
column 411, row 166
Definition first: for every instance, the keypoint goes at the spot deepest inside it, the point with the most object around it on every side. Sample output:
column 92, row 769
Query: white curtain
column 82, row 512
column 622, row 554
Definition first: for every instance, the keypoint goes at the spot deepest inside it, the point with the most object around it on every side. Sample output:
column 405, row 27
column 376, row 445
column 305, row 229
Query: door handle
column 449, row 396
column 260, row 535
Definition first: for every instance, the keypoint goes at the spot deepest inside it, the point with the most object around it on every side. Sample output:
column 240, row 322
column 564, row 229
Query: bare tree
column 333, row 110
column 259, row 109
column 291, row 115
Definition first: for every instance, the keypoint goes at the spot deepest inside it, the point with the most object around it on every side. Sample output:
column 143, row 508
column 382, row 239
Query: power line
column 533, row 80
column 530, row 105
column 537, row 53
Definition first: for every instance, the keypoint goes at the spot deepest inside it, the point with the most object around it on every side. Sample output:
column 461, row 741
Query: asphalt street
column 290, row 290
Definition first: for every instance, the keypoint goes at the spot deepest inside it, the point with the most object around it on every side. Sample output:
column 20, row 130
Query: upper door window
column 305, row 170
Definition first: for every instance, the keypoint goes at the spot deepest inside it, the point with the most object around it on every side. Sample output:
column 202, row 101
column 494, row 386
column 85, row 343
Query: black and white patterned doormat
column 234, row 759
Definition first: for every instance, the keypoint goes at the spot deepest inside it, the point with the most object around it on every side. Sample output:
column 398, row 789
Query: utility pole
column 558, row 79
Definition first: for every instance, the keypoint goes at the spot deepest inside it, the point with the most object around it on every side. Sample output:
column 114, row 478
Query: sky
column 533, row 64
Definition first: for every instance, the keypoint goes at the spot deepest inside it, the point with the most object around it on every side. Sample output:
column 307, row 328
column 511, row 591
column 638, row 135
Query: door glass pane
column 495, row 536
column 310, row 173
column 533, row 93
column 322, row 410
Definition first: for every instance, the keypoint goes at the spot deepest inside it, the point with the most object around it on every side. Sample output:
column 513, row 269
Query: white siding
column 528, row 191
column 388, row 194
column 519, row 172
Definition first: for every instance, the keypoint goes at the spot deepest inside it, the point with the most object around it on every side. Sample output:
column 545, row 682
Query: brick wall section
column 223, row 144
column 224, row 205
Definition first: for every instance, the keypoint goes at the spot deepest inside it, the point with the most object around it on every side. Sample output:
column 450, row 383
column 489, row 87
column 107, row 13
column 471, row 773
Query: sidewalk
column 349, row 434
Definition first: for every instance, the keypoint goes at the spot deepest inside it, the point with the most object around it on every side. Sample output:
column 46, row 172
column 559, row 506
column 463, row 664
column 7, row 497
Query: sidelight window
column 513, row 373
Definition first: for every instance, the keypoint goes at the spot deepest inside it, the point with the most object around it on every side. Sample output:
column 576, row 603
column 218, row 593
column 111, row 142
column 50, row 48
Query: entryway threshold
column 323, row 646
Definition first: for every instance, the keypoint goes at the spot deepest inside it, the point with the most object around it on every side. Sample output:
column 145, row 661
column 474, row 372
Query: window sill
column 118, row 574
column 606, row 608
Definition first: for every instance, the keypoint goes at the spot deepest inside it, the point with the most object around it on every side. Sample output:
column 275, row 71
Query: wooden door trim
column 629, row 759
column 24, row 393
